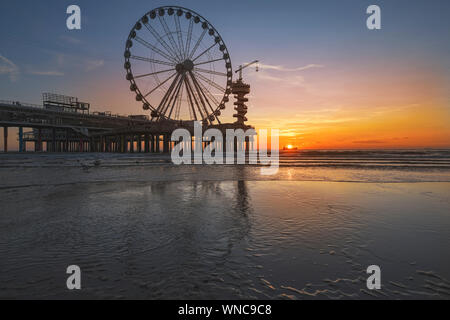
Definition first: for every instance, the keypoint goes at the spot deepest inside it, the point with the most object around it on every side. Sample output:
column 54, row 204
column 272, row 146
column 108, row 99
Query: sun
column 289, row 146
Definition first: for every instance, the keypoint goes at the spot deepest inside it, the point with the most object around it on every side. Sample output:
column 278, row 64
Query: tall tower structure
column 240, row 89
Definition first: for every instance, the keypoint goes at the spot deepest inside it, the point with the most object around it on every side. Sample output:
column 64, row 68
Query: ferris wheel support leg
column 165, row 143
column 66, row 141
column 157, row 143
column 139, row 143
column 5, row 139
column 146, row 143
column 152, row 143
column 123, row 143
column 38, row 141
column 54, row 140
column 132, row 143
column 20, row 139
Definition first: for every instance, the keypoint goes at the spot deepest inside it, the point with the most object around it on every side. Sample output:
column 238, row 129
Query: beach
column 141, row 227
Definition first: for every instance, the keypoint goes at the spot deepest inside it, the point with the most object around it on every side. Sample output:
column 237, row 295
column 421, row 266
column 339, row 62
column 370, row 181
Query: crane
column 245, row 66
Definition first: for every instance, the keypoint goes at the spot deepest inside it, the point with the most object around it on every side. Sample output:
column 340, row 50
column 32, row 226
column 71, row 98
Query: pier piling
column 5, row 139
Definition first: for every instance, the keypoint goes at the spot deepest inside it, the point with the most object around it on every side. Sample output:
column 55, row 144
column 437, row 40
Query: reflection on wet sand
column 160, row 231
column 235, row 239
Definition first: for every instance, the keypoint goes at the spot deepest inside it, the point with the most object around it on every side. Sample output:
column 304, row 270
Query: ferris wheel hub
column 186, row 66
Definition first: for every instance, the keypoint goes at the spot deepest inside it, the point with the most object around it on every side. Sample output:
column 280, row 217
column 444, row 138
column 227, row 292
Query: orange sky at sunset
column 332, row 85
column 324, row 107
column 369, row 107
column 321, row 107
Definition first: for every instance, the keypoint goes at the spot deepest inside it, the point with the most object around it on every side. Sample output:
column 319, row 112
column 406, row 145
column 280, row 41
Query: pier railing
column 38, row 106
column 21, row 104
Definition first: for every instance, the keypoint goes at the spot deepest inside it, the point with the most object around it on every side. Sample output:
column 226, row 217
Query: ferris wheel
column 178, row 65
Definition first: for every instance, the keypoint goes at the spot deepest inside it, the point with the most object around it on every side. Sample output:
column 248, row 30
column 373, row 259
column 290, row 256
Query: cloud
column 60, row 59
column 316, row 111
column 70, row 39
column 293, row 79
column 70, row 61
column 282, row 68
column 8, row 67
column 369, row 141
column 94, row 64
column 46, row 73
column 265, row 76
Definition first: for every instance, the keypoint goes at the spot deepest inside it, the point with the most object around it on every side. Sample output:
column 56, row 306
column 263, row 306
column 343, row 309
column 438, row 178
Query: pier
column 63, row 124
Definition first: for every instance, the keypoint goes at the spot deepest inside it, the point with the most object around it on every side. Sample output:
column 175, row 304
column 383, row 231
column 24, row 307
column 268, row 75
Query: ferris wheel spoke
column 189, row 36
column 210, row 61
column 197, row 43
column 204, row 95
column 153, row 73
column 210, row 82
column 159, row 85
column 211, row 72
column 210, row 95
column 152, row 47
column 175, row 97
column 167, row 94
column 179, row 101
column 152, row 60
column 171, row 39
column 160, row 39
column 191, row 104
column 172, row 96
column 199, row 94
column 176, row 101
column 195, row 98
column 200, row 90
column 204, row 52
column 180, row 36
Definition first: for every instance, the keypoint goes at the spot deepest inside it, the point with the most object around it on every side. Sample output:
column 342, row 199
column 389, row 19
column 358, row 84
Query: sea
column 140, row 227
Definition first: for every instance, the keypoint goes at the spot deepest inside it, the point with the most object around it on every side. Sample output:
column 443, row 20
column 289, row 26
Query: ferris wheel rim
column 187, row 66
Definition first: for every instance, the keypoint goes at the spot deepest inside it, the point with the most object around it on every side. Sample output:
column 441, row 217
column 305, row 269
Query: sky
column 325, row 80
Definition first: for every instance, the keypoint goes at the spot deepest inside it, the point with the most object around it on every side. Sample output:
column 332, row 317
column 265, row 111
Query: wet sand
column 157, row 231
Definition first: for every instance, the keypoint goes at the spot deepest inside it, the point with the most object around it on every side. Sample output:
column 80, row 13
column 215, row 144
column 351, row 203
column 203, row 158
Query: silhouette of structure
column 190, row 68
column 195, row 68
column 240, row 89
